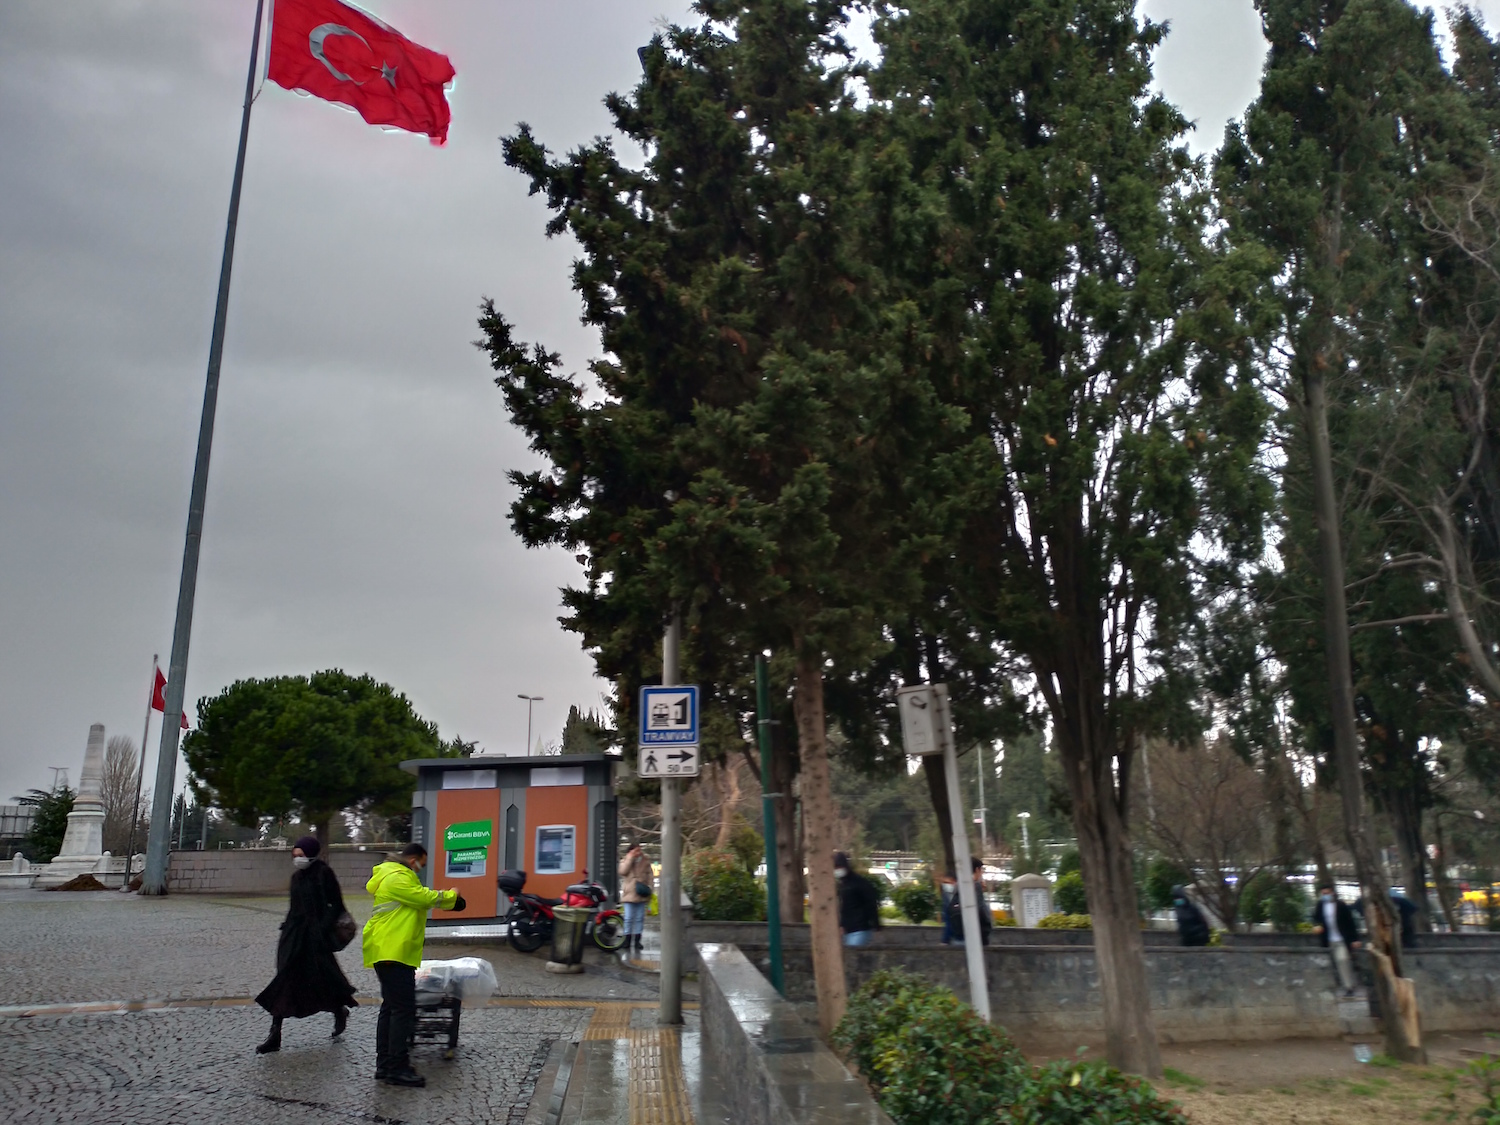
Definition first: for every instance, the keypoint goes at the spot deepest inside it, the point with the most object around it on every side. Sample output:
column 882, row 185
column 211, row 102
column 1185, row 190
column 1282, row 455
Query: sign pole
column 669, row 1012
column 927, row 728
column 154, row 880
column 768, row 817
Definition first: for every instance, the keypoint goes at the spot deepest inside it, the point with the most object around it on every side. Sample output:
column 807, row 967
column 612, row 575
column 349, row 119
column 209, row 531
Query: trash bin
column 568, row 924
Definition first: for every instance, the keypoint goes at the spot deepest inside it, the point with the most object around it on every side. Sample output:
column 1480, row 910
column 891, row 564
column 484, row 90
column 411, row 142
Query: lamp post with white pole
column 1025, row 836
column 530, row 699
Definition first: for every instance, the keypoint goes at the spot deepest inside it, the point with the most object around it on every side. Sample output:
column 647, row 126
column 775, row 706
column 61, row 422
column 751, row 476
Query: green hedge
column 931, row 1061
column 1069, row 895
column 721, row 889
column 917, row 900
column 1061, row 921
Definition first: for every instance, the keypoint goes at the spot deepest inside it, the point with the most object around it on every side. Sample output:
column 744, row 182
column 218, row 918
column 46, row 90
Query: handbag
column 344, row 929
column 643, row 890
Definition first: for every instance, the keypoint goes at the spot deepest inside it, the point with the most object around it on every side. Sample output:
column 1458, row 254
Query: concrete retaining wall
column 1048, row 996
column 246, row 871
column 763, row 1063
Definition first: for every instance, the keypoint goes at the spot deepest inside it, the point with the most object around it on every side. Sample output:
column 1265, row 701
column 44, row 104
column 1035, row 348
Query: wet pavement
column 115, row 1008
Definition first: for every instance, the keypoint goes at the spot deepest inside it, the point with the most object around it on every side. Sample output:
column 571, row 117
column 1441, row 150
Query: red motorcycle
column 530, row 917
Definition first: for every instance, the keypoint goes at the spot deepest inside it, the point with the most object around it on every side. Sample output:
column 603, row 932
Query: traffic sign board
column 669, row 732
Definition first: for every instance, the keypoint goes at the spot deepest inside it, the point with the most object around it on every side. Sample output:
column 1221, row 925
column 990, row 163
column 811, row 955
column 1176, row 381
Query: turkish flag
column 159, row 700
column 343, row 55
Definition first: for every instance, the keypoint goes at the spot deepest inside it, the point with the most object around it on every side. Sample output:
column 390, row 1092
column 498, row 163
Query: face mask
column 1327, row 898
column 300, row 861
column 1180, row 901
column 840, row 872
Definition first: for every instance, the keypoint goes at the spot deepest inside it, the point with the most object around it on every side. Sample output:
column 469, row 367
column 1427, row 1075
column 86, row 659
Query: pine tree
column 1046, row 223
column 1356, row 119
column 747, row 460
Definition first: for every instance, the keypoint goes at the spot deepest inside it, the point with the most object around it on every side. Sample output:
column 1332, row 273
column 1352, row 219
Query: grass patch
column 1385, row 1061
column 1181, row 1078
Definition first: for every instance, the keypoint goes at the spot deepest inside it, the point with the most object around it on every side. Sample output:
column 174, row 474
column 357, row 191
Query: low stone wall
column 1048, row 996
column 259, row 871
column 763, row 1063
column 746, row 934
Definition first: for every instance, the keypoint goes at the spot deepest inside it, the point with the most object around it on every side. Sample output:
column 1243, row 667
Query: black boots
column 637, row 939
column 406, row 1077
column 273, row 1041
column 340, row 1021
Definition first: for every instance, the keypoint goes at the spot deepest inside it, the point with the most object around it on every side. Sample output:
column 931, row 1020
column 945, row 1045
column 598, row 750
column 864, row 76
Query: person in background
column 1191, row 924
column 947, row 896
column 635, row 893
column 308, row 978
column 393, row 940
column 955, row 909
column 1333, row 922
column 859, row 903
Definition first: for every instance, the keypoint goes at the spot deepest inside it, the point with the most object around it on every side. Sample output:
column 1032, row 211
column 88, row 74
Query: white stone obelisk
column 83, row 843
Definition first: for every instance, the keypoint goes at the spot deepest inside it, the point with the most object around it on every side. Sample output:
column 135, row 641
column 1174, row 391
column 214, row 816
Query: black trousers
column 398, row 1015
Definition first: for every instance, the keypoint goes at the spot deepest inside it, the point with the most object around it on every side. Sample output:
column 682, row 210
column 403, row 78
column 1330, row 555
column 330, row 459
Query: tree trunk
column 728, row 785
column 784, row 771
column 1104, row 847
column 1397, row 1001
column 320, row 830
column 937, row 789
column 1440, row 876
column 818, row 827
column 1406, row 825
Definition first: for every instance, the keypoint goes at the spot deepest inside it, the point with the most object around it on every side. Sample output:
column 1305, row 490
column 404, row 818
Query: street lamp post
column 530, row 699
column 1025, row 836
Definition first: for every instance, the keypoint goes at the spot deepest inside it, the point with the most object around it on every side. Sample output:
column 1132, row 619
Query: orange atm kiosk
column 552, row 817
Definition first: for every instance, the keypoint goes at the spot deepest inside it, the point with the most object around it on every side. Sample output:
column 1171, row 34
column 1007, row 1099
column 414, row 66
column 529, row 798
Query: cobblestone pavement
column 108, row 946
column 196, row 1063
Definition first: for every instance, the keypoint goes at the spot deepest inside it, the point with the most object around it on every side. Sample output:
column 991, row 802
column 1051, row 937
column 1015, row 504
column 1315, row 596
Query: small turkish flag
column 159, row 700
column 343, row 55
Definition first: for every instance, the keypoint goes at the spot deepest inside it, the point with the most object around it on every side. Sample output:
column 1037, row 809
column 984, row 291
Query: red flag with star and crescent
column 159, row 699
column 338, row 53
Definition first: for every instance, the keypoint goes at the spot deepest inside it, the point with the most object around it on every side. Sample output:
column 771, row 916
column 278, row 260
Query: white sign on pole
column 925, row 725
column 668, row 732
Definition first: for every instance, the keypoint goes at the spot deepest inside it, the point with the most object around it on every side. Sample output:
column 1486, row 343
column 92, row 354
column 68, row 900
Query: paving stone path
column 187, row 1061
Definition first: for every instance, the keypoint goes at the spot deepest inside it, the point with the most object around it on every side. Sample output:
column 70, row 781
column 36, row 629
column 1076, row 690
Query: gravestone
column 1030, row 899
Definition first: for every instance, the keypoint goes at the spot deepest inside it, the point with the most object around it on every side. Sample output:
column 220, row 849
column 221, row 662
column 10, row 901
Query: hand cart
column 437, row 1018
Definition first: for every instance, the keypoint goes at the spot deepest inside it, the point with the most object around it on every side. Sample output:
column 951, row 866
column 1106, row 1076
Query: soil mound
column 84, row 882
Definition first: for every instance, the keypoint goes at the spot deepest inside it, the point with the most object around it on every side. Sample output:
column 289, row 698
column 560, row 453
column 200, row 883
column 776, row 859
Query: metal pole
column 670, row 912
column 768, row 816
column 979, row 989
column 140, row 774
column 154, row 881
column 983, row 834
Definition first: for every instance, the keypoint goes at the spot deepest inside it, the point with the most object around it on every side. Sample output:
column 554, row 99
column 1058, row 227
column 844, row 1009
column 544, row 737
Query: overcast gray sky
column 356, row 509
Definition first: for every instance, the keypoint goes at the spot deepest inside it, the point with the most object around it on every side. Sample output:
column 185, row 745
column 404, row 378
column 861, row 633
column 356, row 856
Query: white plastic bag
column 471, row 979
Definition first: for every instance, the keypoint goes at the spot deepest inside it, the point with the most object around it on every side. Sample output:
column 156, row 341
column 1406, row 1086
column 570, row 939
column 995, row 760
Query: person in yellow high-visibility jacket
column 393, row 948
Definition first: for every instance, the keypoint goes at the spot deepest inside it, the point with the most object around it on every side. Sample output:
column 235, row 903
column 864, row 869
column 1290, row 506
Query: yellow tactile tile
column 611, row 1021
column 657, row 1091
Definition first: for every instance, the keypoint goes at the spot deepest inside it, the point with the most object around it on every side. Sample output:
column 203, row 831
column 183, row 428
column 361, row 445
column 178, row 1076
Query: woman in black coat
column 308, row 978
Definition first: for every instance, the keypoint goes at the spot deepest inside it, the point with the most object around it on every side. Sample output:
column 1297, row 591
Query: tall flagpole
column 140, row 773
column 154, row 881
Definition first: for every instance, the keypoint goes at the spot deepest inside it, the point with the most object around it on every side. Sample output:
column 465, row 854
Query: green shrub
column 1161, row 876
column 1069, row 862
column 1068, row 894
column 918, row 901
column 927, row 1056
column 1065, row 922
column 1270, row 898
column 720, row 887
column 931, row 1061
column 1086, row 1093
